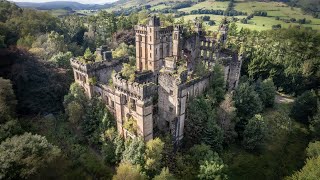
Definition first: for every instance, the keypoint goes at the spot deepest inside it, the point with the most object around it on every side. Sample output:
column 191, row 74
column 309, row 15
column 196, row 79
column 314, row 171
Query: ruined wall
column 173, row 98
column 142, row 95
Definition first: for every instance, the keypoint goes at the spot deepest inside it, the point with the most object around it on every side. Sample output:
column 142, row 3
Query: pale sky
column 80, row 1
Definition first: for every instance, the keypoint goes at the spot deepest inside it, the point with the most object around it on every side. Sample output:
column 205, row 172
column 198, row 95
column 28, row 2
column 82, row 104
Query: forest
column 267, row 128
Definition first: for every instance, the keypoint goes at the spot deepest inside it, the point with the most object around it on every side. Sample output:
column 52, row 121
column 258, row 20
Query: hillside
column 61, row 5
column 257, row 15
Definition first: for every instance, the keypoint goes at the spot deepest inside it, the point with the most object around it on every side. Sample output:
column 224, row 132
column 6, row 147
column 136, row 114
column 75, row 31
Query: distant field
column 257, row 22
column 273, row 9
column 159, row 7
column 57, row 12
column 210, row 4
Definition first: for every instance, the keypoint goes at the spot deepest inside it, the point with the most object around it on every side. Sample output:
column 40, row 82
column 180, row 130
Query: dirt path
column 283, row 99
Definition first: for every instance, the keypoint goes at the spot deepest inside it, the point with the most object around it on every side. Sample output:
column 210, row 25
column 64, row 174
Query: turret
column 176, row 42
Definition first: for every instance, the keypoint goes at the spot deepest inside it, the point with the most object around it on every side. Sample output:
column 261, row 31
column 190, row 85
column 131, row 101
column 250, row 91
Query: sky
column 80, row 1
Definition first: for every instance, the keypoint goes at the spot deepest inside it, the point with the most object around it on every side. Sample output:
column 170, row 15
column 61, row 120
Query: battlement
column 178, row 27
column 141, row 29
column 88, row 67
column 140, row 91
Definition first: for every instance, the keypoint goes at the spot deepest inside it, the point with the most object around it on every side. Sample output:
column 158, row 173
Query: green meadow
column 259, row 23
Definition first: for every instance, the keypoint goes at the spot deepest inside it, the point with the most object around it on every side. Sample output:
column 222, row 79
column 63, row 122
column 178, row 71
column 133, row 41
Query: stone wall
column 173, row 98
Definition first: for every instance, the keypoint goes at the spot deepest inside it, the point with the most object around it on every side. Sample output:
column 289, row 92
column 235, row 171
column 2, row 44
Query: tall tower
column 176, row 42
column 141, row 47
column 153, row 44
column 198, row 30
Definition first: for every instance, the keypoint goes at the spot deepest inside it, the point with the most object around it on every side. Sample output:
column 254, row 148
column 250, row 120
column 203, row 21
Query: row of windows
column 107, row 102
column 81, row 77
column 132, row 102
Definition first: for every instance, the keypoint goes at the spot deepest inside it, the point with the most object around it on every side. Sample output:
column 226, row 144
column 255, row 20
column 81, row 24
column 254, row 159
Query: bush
column 23, row 156
column 266, row 91
column 247, row 101
column 255, row 133
column 304, row 107
column 313, row 149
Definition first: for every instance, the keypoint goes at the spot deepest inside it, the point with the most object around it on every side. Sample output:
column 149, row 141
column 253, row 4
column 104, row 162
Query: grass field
column 210, row 4
column 258, row 23
column 273, row 9
column 159, row 7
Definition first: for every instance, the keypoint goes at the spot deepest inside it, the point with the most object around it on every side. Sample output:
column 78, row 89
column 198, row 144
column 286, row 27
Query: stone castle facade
column 166, row 63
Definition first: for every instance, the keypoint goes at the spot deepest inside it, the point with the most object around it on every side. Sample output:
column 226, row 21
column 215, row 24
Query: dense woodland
column 49, row 129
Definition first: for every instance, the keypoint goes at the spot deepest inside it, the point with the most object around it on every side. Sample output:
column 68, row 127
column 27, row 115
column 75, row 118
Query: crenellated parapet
column 140, row 29
column 134, row 89
column 93, row 66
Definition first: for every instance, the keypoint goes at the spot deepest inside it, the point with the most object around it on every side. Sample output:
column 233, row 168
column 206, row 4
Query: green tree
column 200, row 153
column 217, row 86
column 62, row 59
column 23, row 156
column 304, row 107
column 127, row 171
column 153, row 154
column 128, row 72
column 119, row 147
column 75, row 112
column 9, row 129
column 88, row 55
column 197, row 113
column 313, row 149
column 212, row 170
column 164, row 175
column 315, row 124
column 92, row 124
column 310, row 170
column 123, row 50
column 255, row 133
column 134, row 152
column 7, row 100
column 266, row 91
column 213, row 135
column 247, row 101
column 76, row 93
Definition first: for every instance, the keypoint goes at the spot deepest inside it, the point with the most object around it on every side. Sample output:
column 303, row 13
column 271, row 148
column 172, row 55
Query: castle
column 167, row 76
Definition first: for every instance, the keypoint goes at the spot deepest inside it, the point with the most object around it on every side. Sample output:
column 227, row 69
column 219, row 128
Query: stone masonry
column 166, row 61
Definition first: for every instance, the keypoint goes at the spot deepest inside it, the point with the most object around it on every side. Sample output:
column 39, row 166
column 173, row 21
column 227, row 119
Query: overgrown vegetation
column 239, row 135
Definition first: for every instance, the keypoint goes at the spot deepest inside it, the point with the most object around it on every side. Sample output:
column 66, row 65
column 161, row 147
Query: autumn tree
column 153, row 155
column 226, row 118
column 127, row 171
column 214, row 169
column 164, row 175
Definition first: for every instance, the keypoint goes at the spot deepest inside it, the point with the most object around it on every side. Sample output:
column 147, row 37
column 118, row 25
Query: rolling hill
column 61, row 5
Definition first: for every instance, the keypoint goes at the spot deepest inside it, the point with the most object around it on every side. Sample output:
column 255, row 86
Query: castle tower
column 153, row 43
column 148, row 45
column 198, row 30
column 176, row 42
column 141, row 47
